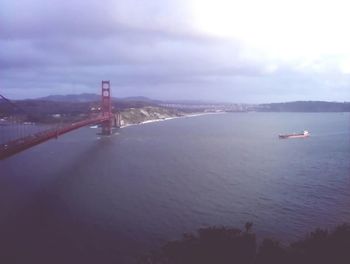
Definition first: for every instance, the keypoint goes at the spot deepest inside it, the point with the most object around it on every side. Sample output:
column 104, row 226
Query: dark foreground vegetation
column 221, row 245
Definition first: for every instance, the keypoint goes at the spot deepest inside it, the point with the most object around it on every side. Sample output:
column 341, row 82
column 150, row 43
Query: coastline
column 170, row 118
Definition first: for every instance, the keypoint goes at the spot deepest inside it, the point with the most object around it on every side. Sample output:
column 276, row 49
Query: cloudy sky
column 222, row 50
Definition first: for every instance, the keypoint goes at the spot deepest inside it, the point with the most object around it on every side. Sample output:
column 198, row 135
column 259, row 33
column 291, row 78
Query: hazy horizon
column 177, row 100
column 233, row 51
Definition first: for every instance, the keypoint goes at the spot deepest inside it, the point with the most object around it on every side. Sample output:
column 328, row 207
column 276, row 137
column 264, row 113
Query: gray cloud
column 151, row 49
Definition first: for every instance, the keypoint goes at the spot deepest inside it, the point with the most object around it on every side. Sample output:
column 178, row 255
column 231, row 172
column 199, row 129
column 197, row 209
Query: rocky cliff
column 138, row 115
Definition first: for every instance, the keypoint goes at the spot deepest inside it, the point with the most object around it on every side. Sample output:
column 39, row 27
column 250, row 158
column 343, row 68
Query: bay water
column 97, row 199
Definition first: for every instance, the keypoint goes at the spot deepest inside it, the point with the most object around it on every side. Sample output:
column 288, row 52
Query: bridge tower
column 106, row 107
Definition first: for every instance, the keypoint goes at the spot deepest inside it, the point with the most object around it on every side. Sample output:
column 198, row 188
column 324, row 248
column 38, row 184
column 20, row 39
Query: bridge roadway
column 13, row 147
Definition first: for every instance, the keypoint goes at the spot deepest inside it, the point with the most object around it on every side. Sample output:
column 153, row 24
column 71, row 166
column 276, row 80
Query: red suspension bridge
column 21, row 141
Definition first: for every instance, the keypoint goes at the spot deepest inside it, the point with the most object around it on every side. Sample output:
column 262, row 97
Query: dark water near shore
column 103, row 200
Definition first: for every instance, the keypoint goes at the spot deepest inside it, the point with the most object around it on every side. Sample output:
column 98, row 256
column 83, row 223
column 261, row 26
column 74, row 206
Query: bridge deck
column 13, row 147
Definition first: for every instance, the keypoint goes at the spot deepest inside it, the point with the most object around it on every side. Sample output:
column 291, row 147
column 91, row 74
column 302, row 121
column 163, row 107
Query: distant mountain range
column 90, row 97
column 305, row 106
column 298, row 106
column 84, row 97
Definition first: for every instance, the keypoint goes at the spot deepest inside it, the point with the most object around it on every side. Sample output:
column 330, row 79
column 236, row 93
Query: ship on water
column 304, row 134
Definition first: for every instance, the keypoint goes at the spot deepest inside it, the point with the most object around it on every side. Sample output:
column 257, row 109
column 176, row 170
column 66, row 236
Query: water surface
column 102, row 200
